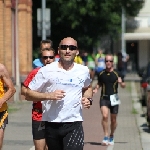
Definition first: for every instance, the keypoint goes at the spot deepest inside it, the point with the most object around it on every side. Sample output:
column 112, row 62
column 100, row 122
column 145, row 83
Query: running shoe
column 111, row 140
column 105, row 141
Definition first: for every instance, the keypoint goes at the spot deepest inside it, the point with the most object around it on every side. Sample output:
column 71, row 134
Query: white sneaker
column 105, row 141
column 111, row 141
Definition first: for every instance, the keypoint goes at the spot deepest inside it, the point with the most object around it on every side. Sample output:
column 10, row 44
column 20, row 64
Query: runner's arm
column 8, row 83
column 36, row 96
column 29, row 78
column 87, row 93
column 23, row 90
column 121, row 82
column 96, row 61
column 39, row 96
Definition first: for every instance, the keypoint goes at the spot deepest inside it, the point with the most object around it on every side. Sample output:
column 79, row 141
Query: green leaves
column 87, row 20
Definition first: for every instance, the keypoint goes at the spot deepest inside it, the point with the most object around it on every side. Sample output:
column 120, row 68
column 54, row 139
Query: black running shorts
column 64, row 136
column 3, row 119
column 113, row 109
column 38, row 130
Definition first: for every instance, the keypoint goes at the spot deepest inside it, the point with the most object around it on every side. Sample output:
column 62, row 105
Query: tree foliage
column 88, row 20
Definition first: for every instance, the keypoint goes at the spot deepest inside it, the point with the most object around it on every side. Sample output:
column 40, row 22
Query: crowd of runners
column 59, row 86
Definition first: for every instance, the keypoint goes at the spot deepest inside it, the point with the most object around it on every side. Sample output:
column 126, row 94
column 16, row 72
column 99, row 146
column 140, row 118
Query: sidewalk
column 18, row 134
column 127, row 135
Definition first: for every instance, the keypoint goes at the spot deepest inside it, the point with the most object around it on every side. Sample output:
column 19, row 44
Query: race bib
column 114, row 99
column 101, row 64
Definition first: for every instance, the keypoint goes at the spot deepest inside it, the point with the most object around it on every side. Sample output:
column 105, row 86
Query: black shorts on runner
column 64, row 136
column 113, row 109
column 3, row 119
column 38, row 130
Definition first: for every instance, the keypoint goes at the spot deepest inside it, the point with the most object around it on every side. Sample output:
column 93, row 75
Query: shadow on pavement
column 93, row 143
column 143, row 115
column 121, row 142
column 146, row 130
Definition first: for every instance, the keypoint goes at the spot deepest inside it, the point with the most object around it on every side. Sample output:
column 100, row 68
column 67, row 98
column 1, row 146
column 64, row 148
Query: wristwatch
column 90, row 99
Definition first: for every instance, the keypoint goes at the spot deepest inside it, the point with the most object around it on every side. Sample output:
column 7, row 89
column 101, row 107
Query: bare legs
column 113, row 125
column 1, row 138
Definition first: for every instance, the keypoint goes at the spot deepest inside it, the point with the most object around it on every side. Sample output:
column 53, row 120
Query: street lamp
column 43, row 20
column 123, row 26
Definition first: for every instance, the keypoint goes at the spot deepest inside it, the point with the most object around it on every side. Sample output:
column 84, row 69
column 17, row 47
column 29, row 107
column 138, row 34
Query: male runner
column 61, row 86
column 4, row 97
column 108, row 80
column 38, row 127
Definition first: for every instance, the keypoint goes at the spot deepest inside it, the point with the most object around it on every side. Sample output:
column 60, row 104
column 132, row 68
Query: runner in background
column 43, row 44
column 100, row 62
column 115, row 60
column 91, row 64
column 57, row 57
column 38, row 127
column 108, row 81
column 84, row 58
column 78, row 60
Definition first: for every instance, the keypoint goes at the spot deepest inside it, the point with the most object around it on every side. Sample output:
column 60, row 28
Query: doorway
column 132, row 51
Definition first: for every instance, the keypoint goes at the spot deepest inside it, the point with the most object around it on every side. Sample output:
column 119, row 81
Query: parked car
column 148, row 101
column 144, row 73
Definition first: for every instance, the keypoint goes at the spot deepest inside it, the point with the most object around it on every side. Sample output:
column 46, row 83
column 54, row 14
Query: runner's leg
column 104, row 112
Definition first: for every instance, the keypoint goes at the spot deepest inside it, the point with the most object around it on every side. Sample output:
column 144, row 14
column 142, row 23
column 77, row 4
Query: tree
column 88, row 20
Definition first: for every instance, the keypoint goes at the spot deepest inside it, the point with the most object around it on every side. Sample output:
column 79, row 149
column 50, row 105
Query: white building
column 137, row 37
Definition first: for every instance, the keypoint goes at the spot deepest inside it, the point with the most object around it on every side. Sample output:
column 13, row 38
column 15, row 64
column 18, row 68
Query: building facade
column 137, row 37
column 16, row 36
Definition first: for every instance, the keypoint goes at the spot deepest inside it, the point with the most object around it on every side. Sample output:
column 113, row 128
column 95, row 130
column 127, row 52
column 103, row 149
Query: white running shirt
column 50, row 78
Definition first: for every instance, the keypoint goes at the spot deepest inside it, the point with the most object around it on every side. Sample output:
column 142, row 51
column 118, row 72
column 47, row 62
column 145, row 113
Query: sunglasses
column 46, row 57
column 108, row 60
column 71, row 47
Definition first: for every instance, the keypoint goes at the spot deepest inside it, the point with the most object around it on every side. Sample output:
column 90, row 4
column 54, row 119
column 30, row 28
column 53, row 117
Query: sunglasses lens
column 63, row 47
column 108, row 61
column 51, row 57
column 71, row 47
column 46, row 57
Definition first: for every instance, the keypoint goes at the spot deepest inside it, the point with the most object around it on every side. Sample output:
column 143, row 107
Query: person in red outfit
column 38, row 127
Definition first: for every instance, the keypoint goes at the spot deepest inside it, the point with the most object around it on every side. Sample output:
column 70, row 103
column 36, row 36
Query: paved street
column 127, row 137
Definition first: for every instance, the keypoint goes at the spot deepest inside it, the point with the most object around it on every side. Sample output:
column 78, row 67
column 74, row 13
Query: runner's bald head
column 68, row 39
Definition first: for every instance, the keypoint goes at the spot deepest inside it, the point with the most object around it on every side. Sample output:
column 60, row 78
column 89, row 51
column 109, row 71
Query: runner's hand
column 85, row 103
column 123, row 85
column 119, row 80
column 95, row 91
column 57, row 95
